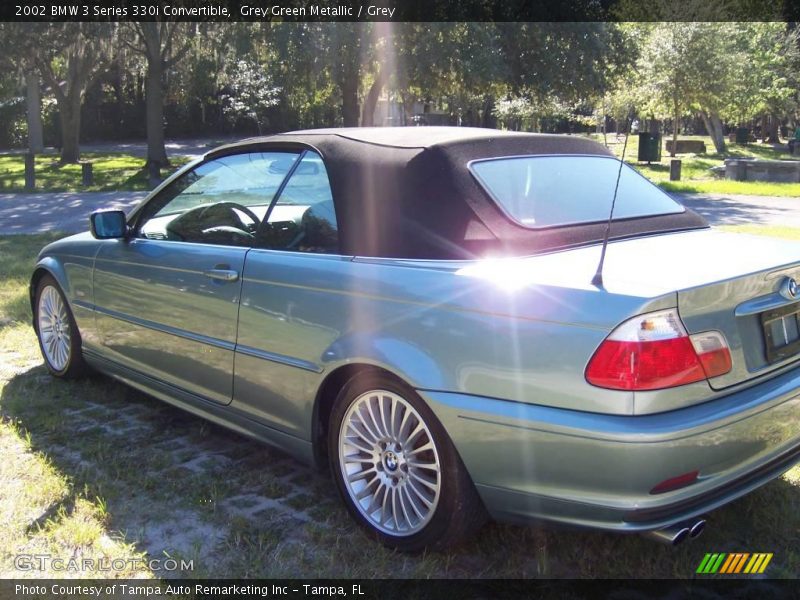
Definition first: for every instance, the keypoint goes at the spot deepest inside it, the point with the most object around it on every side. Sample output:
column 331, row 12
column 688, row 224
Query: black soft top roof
column 413, row 137
column 407, row 192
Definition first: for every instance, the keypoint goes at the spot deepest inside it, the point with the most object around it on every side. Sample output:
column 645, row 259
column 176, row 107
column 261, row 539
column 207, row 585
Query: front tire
column 396, row 468
column 59, row 339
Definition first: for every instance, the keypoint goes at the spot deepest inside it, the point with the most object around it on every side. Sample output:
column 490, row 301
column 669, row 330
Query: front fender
column 51, row 266
column 70, row 262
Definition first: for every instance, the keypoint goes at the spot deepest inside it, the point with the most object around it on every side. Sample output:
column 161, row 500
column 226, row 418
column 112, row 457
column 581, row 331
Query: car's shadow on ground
column 176, row 483
column 173, row 482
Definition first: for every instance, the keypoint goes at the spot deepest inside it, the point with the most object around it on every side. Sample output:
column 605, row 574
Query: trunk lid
column 727, row 282
column 718, row 280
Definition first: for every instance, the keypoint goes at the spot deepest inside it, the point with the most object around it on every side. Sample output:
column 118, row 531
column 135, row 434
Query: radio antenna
column 598, row 276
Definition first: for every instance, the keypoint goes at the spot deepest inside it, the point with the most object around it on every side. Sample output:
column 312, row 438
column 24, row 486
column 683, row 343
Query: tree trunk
column 675, row 128
column 403, row 113
column 605, row 139
column 154, row 106
column 34, row 105
column 350, row 99
column 719, row 132
column 489, row 120
column 119, row 100
column 371, row 101
column 713, row 125
column 70, row 112
column 773, row 130
column 408, row 106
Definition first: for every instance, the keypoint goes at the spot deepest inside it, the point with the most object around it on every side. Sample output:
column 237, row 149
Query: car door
column 287, row 318
column 167, row 298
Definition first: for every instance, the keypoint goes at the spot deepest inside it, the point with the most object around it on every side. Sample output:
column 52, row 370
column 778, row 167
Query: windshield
column 547, row 191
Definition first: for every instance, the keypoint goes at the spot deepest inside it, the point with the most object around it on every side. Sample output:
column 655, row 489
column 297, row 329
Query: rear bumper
column 593, row 470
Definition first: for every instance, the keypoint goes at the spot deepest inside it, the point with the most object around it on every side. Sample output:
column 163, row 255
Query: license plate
column 781, row 332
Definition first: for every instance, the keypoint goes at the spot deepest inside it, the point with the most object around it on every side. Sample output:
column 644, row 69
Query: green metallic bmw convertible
column 459, row 323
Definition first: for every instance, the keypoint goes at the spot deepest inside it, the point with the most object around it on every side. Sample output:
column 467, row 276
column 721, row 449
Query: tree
column 550, row 65
column 155, row 42
column 250, row 93
column 345, row 48
column 383, row 46
column 33, row 100
column 767, row 80
column 308, row 71
column 456, row 66
column 16, row 56
column 515, row 113
column 732, row 71
column 327, row 72
column 687, row 67
column 70, row 58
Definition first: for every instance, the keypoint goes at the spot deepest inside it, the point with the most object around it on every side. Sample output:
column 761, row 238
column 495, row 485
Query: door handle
column 221, row 274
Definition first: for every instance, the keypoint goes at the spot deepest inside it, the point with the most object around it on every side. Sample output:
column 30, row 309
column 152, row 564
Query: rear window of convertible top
column 547, row 191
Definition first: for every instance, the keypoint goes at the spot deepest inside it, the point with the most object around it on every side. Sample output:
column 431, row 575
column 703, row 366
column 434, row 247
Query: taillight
column 654, row 351
column 712, row 350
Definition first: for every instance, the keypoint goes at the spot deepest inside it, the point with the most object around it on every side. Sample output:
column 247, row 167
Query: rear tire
column 396, row 469
column 59, row 338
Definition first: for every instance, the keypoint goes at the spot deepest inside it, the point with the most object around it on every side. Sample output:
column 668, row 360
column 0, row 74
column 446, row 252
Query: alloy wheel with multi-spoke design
column 54, row 328
column 389, row 463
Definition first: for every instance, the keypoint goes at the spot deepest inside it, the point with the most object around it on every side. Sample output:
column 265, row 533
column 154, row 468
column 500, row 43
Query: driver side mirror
column 108, row 224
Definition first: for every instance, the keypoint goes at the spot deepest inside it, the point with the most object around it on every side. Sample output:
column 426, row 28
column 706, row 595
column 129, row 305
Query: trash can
column 742, row 135
column 649, row 147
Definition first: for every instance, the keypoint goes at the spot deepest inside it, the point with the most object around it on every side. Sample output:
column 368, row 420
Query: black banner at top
column 400, row 10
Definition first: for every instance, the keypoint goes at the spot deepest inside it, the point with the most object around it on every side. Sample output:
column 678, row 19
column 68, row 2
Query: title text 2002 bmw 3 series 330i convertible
column 416, row 307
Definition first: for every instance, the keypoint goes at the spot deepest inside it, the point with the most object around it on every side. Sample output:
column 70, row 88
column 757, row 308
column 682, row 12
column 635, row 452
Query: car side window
column 303, row 218
column 222, row 201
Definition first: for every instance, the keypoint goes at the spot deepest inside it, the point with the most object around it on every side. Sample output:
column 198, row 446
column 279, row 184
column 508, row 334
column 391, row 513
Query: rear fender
column 405, row 360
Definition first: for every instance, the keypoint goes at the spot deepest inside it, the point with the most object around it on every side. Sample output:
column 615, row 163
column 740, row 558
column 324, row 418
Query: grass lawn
column 789, row 233
column 92, row 468
column 112, row 172
column 46, row 509
column 695, row 174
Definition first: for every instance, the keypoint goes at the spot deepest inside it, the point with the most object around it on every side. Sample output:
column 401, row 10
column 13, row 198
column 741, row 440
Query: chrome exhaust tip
column 672, row 536
column 697, row 529
column 678, row 533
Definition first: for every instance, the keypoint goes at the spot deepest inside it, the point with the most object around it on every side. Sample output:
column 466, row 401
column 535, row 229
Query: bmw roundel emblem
column 790, row 289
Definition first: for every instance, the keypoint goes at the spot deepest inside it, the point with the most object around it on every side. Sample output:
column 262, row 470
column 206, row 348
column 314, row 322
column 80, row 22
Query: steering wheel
column 189, row 225
column 233, row 206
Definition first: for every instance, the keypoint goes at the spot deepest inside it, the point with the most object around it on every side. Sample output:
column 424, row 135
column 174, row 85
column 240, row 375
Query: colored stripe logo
column 734, row 563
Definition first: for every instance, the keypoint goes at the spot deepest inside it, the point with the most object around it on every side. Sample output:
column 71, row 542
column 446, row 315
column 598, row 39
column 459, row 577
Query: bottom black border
column 389, row 589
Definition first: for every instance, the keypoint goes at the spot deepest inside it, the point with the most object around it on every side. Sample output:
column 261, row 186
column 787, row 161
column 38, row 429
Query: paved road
column 69, row 212
column 744, row 210
column 192, row 148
